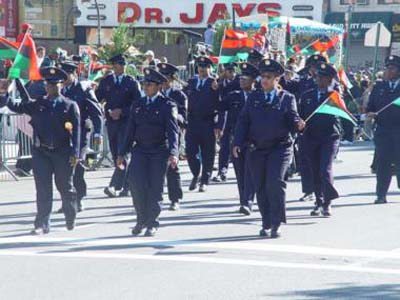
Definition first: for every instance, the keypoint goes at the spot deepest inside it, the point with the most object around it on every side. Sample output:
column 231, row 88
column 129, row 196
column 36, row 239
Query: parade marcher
column 174, row 185
column 56, row 137
column 321, row 139
column 201, row 134
column 118, row 91
column 91, row 114
column 265, row 123
column 233, row 104
column 153, row 127
column 387, row 132
column 227, row 84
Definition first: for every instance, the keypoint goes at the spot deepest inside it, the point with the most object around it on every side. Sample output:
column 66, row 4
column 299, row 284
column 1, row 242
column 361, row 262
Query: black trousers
column 224, row 152
column 146, row 175
column 116, row 135
column 174, row 184
column 47, row 163
column 307, row 181
column 243, row 177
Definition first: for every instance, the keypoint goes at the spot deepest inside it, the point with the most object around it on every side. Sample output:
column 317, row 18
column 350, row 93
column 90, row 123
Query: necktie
column 245, row 96
column 268, row 98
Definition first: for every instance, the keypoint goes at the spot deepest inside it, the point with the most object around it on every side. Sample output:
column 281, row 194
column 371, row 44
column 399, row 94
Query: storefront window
column 388, row 1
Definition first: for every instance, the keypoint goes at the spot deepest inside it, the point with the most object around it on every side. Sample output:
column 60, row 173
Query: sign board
column 372, row 34
column 8, row 18
column 186, row 14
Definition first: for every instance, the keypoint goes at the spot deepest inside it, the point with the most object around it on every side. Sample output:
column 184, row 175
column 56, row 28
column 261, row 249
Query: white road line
column 211, row 260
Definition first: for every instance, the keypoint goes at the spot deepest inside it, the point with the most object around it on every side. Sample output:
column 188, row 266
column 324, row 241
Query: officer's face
column 229, row 74
column 151, row 88
column 53, row 89
column 269, row 80
column 313, row 71
column 392, row 72
column 70, row 78
column 323, row 82
column 118, row 69
column 204, row 71
column 246, row 82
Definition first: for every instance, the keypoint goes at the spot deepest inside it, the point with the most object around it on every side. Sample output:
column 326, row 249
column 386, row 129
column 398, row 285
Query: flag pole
column 386, row 106
column 315, row 111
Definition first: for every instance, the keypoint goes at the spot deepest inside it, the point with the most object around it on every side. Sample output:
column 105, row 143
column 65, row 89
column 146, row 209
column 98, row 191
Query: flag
column 235, row 46
column 25, row 65
column 335, row 106
column 8, row 50
column 344, row 79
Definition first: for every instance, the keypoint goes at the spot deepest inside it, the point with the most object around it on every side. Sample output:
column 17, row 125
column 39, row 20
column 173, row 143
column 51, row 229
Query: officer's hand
column 74, row 160
column 120, row 162
column 115, row 114
column 236, row 151
column 214, row 85
column 218, row 133
column 3, row 86
column 371, row 115
column 173, row 161
column 97, row 140
column 301, row 125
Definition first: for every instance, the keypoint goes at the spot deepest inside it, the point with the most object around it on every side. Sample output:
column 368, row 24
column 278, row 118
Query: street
column 206, row 250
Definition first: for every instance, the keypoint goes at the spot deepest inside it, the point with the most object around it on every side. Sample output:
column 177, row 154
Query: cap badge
column 52, row 71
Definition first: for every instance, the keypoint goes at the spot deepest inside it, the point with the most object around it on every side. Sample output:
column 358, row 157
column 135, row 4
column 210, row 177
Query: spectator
column 25, row 28
column 209, row 35
column 51, row 60
column 150, row 60
column 41, row 54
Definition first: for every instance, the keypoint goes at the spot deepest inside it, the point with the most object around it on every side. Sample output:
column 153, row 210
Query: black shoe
column 138, row 229
column 40, row 231
column 150, row 231
column 124, row 193
column 70, row 225
column 60, row 211
column 245, row 210
column 217, row 178
column 275, row 232
column 381, row 200
column 203, row 188
column 265, row 232
column 307, row 197
column 174, row 206
column 193, row 184
column 327, row 211
column 110, row 192
column 80, row 207
column 223, row 177
column 316, row 211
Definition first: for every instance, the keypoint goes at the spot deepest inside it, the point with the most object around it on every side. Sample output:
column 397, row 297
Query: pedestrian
column 209, row 35
column 56, row 139
column 118, row 91
column 387, row 132
column 201, row 134
column 91, row 115
column 178, row 97
column 152, row 138
column 265, row 124
column 321, row 139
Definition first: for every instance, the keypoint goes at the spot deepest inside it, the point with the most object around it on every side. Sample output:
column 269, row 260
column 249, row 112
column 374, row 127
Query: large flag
column 235, row 46
column 315, row 47
column 344, row 79
column 25, row 65
column 8, row 50
column 335, row 106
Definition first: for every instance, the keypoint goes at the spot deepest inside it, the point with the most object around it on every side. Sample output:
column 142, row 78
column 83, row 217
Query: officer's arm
column 242, row 127
column 20, row 107
column 292, row 115
column 129, row 135
column 100, row 91
column 371, row 106
column 75, row 118
column 223, row 106
column 172, row 130
column 182, row 109
column 94, row 110
column 301, row 108
column 135, row 96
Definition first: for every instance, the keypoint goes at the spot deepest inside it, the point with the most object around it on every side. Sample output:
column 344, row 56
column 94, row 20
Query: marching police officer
column 90, row 110
column 177, row 96
column 387, row 133
column 119, row 91
column 201, row 134
column 321, row 139
column 153, row 127
column 265, row 123
column 56, row 137
column 233, row 104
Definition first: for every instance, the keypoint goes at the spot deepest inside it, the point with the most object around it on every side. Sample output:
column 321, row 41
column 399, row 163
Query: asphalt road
column 206, row 250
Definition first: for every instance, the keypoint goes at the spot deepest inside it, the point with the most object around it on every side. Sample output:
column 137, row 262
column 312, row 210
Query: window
column 388, row 1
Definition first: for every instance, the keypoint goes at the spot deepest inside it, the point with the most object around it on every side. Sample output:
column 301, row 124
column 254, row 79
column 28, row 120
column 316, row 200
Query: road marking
column 211, row 260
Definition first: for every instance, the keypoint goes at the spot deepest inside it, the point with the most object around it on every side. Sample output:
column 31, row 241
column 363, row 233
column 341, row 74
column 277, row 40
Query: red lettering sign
column 128, row 12
column 243, row 12
column 218, row 12
column 269, row 8
column 198, row 18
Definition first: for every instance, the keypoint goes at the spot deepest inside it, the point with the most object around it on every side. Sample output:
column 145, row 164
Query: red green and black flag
column 235, row 46
column 344, row 79
column 8, row 50
column 335, row 106
column 25, row 65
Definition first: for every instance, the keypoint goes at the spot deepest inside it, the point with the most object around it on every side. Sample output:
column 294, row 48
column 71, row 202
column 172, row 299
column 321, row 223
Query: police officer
column 56, row 138
column 228, row 83
column 90, row 110
column 387, row 133
column 265, row 122
column 321, row 139
column 201, row 134
column 177, row 96
column 153, row 127
column 233, row 104
column 118, row 91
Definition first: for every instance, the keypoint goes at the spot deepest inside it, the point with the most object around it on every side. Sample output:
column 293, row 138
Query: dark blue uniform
column 90, row 109
column 153, row 132
column 387, row 134
column 320, row 141
column 53, row 147
column 121, row 93
column 231, row 106
column 175, row 192
column 203, row 103
column 265, row 124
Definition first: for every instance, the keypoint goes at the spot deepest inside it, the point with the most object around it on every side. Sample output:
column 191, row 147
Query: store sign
column 396, row 28
column 8, row 18
column 186, row 14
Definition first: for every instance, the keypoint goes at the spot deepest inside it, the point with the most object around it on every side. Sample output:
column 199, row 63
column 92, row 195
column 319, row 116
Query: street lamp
column 348, row 18
column 74, row 10
column 98, row 19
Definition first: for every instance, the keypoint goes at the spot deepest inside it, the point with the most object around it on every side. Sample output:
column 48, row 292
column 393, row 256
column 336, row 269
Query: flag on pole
column 25, row 65
column 8, row 49
column 344, row 79
column 236, row 45
column 335, row 106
